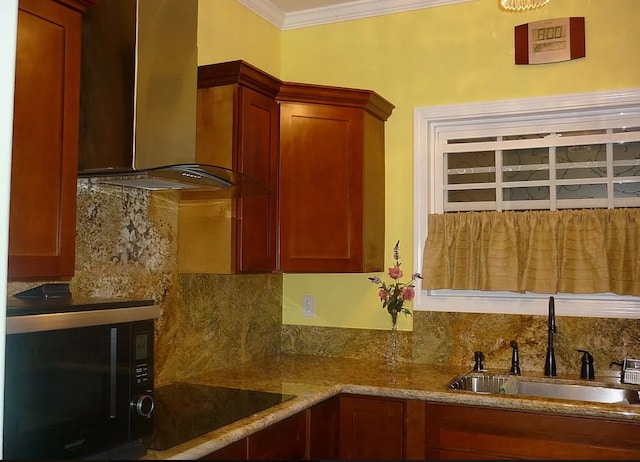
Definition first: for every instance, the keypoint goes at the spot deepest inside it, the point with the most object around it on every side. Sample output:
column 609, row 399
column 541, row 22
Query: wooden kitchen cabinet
column 331, row 179
column 324, row 430
column 473, row 432
column 237, row 128
column 371, row 428
column 42, row 222
column 284, row 440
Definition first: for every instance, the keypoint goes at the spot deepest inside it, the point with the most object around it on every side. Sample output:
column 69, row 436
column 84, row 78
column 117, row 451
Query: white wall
column 8, row 25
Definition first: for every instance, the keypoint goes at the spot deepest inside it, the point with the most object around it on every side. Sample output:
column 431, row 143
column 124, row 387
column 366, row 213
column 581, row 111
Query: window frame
column 427, row 120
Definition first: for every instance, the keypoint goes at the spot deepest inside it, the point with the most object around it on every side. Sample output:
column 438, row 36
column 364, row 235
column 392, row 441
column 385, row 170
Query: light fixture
column 522, row 5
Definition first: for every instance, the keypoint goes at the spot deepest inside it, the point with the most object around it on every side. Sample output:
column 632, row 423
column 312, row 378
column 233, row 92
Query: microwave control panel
column 143, row 356
column 142, row 373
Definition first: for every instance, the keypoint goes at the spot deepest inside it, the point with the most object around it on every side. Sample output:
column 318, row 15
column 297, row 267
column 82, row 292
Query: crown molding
column 267, row 10
column 336, row 13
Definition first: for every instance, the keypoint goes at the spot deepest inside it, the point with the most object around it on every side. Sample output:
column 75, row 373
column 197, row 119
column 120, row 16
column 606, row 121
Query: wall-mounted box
column 550, row 41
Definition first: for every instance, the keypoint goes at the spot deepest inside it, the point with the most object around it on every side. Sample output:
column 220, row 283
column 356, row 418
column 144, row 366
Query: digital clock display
column 549, row 38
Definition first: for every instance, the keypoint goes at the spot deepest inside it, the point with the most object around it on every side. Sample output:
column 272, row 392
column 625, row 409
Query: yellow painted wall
column 444, row 55
column 228, row 31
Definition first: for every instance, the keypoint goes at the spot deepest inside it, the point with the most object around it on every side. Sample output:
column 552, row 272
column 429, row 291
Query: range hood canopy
column 219, row 181
column 138, row 100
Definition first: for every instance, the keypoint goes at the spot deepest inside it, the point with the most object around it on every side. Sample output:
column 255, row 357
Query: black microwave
column 79, row 379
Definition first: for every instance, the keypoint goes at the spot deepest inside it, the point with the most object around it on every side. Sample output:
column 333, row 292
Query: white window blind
column 571, row 151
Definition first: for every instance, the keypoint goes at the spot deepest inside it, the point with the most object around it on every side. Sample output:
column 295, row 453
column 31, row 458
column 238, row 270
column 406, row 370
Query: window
column 572, row 151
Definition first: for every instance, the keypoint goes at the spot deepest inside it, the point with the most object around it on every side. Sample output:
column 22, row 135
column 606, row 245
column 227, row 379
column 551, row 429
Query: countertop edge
column 217, row 439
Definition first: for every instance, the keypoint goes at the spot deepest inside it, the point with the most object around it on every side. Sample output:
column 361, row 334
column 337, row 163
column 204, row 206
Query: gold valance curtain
column 567, row 251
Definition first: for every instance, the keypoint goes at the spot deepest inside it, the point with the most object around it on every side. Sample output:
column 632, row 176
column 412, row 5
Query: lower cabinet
column 376, row 428
column 473, row 432
column 284, row 440
column 357, row 427
column 371, row 428
column 324, row 430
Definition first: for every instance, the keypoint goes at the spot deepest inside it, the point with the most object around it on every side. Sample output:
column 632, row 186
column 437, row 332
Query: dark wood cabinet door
column 320, row 188
column 473, row 432
column 371, row 428
column 331, row 179
column 257, row 158
column 285, row 440
column 324, row 430
column 42, row 223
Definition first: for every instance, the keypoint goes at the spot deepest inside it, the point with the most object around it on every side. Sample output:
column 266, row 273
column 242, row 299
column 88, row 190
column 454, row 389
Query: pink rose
column 383, row 294
column 395, row 272
column 408, row 293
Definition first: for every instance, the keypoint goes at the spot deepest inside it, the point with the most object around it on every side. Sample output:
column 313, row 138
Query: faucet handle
column 586, row 371
column 615, row 363
column 478, row 357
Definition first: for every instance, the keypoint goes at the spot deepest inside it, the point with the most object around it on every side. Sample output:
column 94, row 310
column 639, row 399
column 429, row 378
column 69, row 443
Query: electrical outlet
column 308, row 306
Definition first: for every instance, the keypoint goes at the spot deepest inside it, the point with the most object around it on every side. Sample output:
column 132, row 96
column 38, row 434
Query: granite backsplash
column 127, row 247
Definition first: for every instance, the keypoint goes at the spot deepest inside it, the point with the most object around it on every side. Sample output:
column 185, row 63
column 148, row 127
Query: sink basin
column 500, row 383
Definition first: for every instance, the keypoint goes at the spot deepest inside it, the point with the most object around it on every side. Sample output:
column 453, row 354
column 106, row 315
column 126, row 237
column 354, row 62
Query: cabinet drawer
column 457, row 431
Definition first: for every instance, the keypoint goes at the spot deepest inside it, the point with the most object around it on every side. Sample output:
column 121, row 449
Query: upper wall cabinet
column 331, row 179
column 237, row 128
column 45, row 140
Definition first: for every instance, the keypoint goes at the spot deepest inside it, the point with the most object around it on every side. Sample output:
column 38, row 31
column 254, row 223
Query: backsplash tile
column 219, row 320
column 342, row 342
column 444, row 338
column 125, row 242
column 127, row 247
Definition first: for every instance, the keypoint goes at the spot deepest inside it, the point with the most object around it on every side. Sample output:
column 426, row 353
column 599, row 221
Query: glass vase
column 394, row 344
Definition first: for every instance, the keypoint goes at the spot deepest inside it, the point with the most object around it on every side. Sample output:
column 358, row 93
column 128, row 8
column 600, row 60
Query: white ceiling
column 293, row 14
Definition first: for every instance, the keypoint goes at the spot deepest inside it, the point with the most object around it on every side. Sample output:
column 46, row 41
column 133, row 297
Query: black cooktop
column 184, row 411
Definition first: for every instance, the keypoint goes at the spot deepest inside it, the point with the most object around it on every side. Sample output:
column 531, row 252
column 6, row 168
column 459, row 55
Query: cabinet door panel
column 285, row 440
column 324, row 422
column 320, row 195
column 45, row 142
column 371, row 428
column 256, row 239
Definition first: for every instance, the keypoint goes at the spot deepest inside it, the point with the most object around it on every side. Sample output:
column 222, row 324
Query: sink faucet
column 550, row 362
column 478, row 357
column 515, row 361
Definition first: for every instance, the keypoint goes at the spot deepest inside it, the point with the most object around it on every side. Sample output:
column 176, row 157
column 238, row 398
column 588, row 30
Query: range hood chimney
column 138, row 99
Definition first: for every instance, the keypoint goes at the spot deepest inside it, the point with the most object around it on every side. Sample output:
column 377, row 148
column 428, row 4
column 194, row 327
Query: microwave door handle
column 113, row 371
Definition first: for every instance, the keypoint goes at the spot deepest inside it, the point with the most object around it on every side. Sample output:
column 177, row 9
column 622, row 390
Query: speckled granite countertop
column 313, row 379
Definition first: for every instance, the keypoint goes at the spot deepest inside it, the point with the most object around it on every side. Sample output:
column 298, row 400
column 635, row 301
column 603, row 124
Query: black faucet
column 550, row 362
column 478, row 357
column 515, row 360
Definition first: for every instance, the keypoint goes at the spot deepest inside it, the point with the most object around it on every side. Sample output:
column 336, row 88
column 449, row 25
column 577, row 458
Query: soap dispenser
column 587, row 370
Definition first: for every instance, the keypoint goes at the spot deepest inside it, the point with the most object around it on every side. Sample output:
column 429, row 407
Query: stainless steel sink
column 502, row 383
column 479, row 383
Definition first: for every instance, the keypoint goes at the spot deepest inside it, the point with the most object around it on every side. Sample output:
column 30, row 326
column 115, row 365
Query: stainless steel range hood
column 138, row 99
